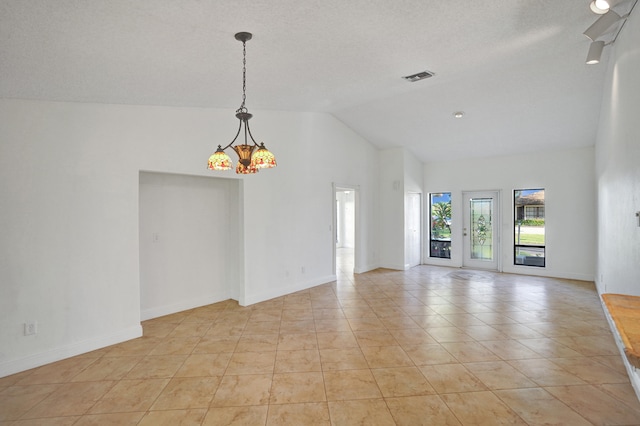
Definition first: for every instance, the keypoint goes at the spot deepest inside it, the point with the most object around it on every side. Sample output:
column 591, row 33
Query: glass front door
column 480, row 230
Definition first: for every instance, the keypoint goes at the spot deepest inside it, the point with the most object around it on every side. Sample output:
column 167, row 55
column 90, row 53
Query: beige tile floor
column 429, row 346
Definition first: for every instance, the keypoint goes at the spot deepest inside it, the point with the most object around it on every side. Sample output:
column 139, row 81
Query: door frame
column 335, row 188
column 496, row 194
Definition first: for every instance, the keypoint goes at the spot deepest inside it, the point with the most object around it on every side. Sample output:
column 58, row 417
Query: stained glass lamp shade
column 263, row 158
column 219, row 160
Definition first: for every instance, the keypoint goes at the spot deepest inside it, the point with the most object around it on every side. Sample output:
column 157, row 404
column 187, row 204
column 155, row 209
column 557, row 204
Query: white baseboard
column 397, row 267
column 632, row 372
column 365, row 268
column 281, row 291
column 634, row 376
column 543, row 272
column 184, row 305
column 68, row 351
column 441, row 261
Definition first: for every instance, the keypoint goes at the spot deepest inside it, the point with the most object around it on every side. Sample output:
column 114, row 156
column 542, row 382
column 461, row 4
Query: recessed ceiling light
column 599, row 6
column 419, row 76
column 458, row 114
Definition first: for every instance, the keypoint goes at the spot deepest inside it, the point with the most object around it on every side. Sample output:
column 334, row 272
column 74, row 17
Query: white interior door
column 480, row 229
column 413, row 229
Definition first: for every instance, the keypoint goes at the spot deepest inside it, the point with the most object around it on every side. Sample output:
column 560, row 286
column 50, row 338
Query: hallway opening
column 345, row 200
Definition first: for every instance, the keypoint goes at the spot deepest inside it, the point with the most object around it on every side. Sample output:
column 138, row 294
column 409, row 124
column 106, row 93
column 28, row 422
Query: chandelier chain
column 244, row 76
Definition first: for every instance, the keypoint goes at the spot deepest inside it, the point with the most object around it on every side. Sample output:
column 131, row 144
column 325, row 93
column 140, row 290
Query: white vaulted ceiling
column 515, row 67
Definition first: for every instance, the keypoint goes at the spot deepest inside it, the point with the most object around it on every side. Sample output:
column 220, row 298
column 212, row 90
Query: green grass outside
column 441, row 234
column 526, row 239
column 530, row 239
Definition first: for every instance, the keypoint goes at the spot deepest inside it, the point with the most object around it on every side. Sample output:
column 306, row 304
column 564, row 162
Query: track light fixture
column 603, row 25
column 595, row 52
column 607, row 26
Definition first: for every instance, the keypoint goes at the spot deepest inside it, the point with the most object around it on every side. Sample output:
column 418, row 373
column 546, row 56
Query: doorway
column 344, row 224
column 481, row 230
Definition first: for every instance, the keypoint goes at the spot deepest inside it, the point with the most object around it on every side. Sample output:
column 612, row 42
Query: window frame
column 521, row 212
column 439, row 248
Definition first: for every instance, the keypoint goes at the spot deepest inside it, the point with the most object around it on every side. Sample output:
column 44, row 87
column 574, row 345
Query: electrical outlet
column 30, row 328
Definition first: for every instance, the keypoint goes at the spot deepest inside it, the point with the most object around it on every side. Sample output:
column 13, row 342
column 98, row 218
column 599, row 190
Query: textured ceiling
column 516, row 67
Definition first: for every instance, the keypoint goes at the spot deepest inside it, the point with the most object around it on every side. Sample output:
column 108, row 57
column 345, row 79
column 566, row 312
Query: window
column 440, row 234
column 534, row 212
column 529, row 229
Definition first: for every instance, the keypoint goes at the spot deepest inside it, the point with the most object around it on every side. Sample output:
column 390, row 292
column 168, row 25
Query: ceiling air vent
column 419, row 76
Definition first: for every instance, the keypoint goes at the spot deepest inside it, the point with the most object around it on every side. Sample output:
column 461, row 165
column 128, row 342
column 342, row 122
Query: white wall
column 618, row 167
column 618, row 176
column 392, row 208
column 413, row 173
column 189, row 232
column 570, row 220
column 400, row 173
column 69, row 217
column 289, row 236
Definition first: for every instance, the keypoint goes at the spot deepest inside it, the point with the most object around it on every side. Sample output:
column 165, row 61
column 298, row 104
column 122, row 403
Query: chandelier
column 248, row 160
